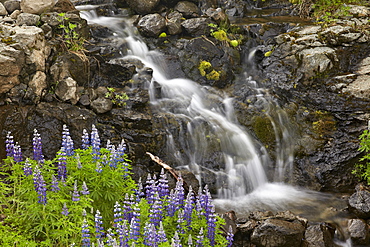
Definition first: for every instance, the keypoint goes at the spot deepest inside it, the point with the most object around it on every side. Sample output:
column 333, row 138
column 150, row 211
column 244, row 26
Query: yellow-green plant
column 206, row 69
column 118, row 99
column 70, row 37
column 363, row 170
column 331, row 10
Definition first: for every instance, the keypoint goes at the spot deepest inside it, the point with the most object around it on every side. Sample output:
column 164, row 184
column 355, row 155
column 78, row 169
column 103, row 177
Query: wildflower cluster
column 86, row 197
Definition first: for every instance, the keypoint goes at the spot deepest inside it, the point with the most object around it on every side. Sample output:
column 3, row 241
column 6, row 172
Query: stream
column 208, row 119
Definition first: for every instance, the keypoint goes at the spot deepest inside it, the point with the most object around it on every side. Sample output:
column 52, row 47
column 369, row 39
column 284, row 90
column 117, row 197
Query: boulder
column 197, row 26
column 143, row 7
column 11, row 63
column 28, row 19
column 359, row 232
column 37, row 6
column 12, row 5
column 174, row 20
column 278, row 233
column 359, row 202
column 66, row 90
column 38, row 83
column 320, row 235
column 3, row 10
column 101, row 105
column 187, row 9
column 151, row 25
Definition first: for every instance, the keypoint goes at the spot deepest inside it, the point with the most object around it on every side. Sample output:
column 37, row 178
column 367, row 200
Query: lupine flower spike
column 75, row 195
column 27, row 169
column 84, row 190
column 65, row 210
column 37, row 147
column 230, row 237
column 99, row 230
column 67, row 141
column 9, row 145
column 17, row 153
column 85, row 139
column 40, row 185
column 86, row 242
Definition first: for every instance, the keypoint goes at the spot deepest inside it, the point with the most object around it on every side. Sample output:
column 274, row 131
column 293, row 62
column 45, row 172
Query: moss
column 264, row 130
column 8, row 40
column 205, row 69
column 220, row 35
column 324, row 123
column 213, row 75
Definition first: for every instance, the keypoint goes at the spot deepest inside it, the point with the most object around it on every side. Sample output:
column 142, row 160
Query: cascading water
column 207, row 123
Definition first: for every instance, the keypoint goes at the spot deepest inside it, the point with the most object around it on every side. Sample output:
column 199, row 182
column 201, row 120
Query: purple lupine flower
column 230, row 237
column 200, row 238
column 176, row 240
column 113, row 159
column 163, row 185
column 27, row 169
column 155, row 211
column 9, row 145
column 17, row 153
column 190, row 240
column 62, row 164
column 150, row 235
column 161, row 234
column 75, row 195
column 150, row 188
column 211, row 222
column 139, row 191
column 134, row 231
column 65, row 210
column 79, row 165
column 180, row 221
column 127, row 208
column 86, row 242
column 110, row 236
column 67, row 141
column 122, row 233
column 95, row 142
column 85, row 139
column 99, row 230
column 188, row 208
column 179, row 193
column 54, row 184
column 99, row 167
column 37, row 146
column 117, row 214
column 40, row 185
column 84, row 190
column 121, row 156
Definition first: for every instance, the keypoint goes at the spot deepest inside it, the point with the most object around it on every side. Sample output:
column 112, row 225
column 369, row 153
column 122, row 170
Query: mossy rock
column 264, row 130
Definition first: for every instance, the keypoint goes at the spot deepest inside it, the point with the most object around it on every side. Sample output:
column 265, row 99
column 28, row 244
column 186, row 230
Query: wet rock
column 359, row 202
column 3, row 10
column 187, row 9
column 275, row 232
column 151, row 25
column 143, row 7
column 63, row 6
column 101, row 105
column 28, row 19
column 174, row 20
column 66, row 90
column 359, row 232
column 320, row 235
column 12, row 5
column 197, row 26
column 36, row 6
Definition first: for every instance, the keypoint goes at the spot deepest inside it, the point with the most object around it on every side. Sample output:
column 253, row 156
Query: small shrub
column 363, row 170
column 70, row 37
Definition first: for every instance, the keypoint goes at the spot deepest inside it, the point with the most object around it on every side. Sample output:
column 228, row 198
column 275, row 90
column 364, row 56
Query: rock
column 28, row 19
column 359, row 232
column 278, row 233
column 38, row 83
column 36, row 6
column 359, row 11
column 143, row 7
column 63, row 6
column 11, row 63
column 15, row 14
column 187, row 9
column 12, row 5
column 338, row 34
column 320, row 235
column 174, row 20
column 66, row 90
column 359, row 202
column 218, row 15
column 3, row 10
column 197, row 26
column 151, row 25
column 101, row 105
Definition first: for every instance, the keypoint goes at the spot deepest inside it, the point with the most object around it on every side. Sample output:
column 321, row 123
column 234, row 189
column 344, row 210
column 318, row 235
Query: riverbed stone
column 12, row 5
column 359, row 202
column 151, row 25
column 28, row 19
column 66, row 90
column 278, row 233
column 187, row 9
column 143, row 6
column 102, row 105
column 319, row 235
column 3, row 10
column 359, row 232
column 36, row 6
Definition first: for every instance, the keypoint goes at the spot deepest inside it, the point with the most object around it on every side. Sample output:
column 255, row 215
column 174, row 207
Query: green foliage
column 118, row 99
column 363, row 170
column 331, row 10
column 28, row 221
column 221, row 33
column 70, row 37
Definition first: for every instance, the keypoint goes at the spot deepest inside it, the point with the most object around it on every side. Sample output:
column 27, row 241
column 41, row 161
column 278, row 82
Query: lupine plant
column 86, row 197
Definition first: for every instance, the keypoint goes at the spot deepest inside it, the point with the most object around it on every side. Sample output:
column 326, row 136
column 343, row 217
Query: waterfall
column 209, row 124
